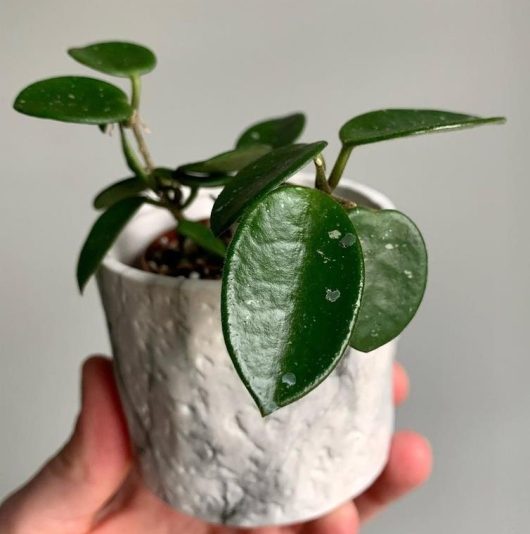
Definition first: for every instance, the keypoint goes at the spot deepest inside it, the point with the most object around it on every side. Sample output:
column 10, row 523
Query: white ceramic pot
column 201, row 442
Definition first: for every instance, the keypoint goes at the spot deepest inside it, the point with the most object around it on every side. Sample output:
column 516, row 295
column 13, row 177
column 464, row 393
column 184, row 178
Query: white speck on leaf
column 347, row 241
column 408, row 274
column 332, row 295
column 389, row 246
column 289, row 379
column 334, row 234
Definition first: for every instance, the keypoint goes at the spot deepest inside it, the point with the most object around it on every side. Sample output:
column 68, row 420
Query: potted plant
column 252, row 319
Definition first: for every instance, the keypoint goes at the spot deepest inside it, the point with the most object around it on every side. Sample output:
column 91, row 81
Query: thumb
column 69, row 490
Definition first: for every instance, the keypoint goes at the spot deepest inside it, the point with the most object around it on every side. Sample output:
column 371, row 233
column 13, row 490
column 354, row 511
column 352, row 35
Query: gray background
column 223, row 64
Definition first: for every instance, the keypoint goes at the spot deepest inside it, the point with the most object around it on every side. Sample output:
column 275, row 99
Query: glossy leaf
column 123, row 189
column 395, row 262
column 214, row 179
column 274, row 132
column 292, row 284
column 74, row 99
column 102, row 236
column 218, row 171
column 391, row 123
column 257, row 179
column 231, row 161
column 116, row 58
column 202, row 235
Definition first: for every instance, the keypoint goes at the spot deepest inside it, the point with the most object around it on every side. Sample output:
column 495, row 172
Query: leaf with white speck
column 395, row 262
column 74, row 99
column 290, row 294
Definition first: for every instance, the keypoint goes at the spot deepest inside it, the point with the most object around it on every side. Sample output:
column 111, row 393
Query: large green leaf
column 292, row 285
column 102, row 235
column 274, row 132
column 231, row 161
column 74, row 99
column 259, row 178
column 395, row 263
column 116, row 58
column 117, row 191
column 391, row 123
column 202, row 235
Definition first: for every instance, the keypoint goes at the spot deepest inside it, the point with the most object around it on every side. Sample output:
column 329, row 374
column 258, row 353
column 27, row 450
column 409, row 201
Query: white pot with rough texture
column 201, row 442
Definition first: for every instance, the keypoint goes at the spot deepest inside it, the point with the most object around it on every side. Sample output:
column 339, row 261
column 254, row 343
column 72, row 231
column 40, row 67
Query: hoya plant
column 306, row 273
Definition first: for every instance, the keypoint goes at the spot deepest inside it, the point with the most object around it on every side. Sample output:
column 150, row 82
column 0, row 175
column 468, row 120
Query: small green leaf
column 391, row 123
column 218, row 171
column 291, row 291
column 102, row 235
column 214, row 179
column 116, row 58
column 74, row 99
column 123, row 189
column 395, row 263
column 257, row 179
column 274, row 132
column 202, row 235
column 231, row 161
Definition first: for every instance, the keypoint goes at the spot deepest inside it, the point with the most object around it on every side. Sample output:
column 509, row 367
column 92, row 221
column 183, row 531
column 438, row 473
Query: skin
column 91, row 486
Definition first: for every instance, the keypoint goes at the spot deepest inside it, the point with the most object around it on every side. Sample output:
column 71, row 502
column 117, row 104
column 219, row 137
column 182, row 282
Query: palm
column 82, row 491
column 140, row 511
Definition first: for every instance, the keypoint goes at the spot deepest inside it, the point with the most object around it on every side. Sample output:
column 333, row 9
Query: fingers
column 401, row 384
column 409, row 465
column 70, row 489
column 343, row 520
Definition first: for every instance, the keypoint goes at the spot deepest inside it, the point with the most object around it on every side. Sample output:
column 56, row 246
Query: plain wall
column 224, row 64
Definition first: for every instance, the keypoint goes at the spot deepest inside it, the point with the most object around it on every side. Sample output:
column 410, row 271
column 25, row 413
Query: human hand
column 90, row 486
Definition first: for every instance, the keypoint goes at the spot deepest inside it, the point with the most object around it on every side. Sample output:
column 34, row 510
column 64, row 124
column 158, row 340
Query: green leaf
column 74, row 99
column 116, row 58
column 391, row 123
column 216, row 171
column 214, row 179
column 102, row 235
column 274, row 132
column 231, row 161
column 291, row 291
column 257, row 179
column 202, row 235
column 123, row 189
column 395, row 263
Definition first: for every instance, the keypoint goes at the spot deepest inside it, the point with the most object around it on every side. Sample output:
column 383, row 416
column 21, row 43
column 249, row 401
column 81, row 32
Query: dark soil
column 172, row 254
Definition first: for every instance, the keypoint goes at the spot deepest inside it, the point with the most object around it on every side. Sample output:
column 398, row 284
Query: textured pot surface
column 202, row 444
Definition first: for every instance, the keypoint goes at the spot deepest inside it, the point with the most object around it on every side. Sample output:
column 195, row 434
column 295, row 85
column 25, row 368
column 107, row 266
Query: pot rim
column 113, row 264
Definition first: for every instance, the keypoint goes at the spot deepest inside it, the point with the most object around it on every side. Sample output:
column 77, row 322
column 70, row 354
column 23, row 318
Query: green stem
column 136, row 91
column 340, row 164
column 191, row 197
column 320, row 177
column 166, row 205
column 130, row 157
column 136, row 124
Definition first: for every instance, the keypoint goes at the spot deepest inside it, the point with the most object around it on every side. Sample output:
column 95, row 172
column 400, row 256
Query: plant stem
column 166, row 205
column 136, row 123
column 140, row 141
column 130, row 157
column 191, row 197
column 339, row 166
column 320, row 177
column 345, row 203
column 136, row 91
